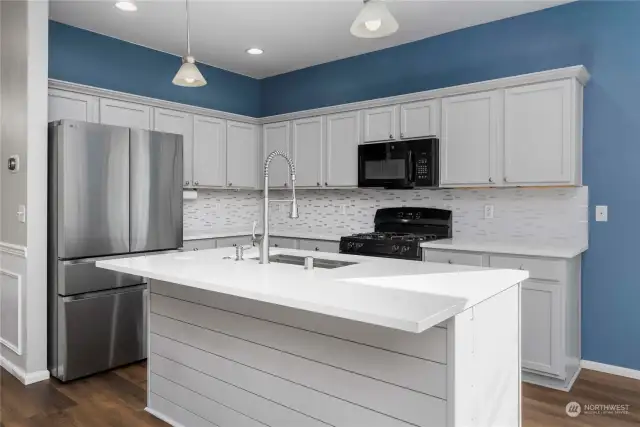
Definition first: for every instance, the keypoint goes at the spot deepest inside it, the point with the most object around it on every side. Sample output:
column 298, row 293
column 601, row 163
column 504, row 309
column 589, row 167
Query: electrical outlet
column 22, row 213
column 488, row 211
column 602, row 213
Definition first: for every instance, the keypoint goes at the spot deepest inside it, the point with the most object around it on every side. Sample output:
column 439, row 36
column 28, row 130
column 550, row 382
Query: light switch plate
column 602, row 213
column 22, row 213
column 488, row 211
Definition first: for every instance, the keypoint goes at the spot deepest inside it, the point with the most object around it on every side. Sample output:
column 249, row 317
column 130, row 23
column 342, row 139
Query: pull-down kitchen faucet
column 293, row 213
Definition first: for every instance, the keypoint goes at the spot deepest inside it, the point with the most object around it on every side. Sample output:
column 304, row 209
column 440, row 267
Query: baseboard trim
column 25, row 378
column 163, row 417
column 611, row 369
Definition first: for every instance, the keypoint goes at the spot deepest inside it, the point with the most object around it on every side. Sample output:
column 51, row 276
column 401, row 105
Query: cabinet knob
column 318, row 184
column 390, row 136
column 196, row 183
column 275, row 245
column 505, row 179
column 326, row 184
column 186, row 183
column 450, row 262
column 195, row 249
column 230, row 184
column 521, row 267
column 401, row 134
column 235, row 244
column 286, row 185
column 317, row 248
column 490, row 179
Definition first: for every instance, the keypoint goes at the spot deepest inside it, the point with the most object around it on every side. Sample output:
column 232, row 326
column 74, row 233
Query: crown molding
column 578, row 72
column 152, row 102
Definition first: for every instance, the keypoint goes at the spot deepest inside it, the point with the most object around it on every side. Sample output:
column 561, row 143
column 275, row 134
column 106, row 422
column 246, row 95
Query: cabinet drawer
column 198, row 245
column 319, row 245
column 283, row 242
column 461, row 258
column 226, row 242
column 543, row 269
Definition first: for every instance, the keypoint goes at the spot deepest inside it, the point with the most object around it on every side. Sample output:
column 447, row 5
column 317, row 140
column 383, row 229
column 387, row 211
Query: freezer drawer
column 82, row 276
column 99, row 331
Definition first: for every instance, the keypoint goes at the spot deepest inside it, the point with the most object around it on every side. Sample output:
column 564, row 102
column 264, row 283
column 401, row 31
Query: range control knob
column 359, row 245
column 395, row 248
column 350, row 245
column 405, row 249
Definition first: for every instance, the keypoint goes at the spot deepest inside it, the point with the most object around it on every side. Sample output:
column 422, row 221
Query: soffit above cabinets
column 294, row 34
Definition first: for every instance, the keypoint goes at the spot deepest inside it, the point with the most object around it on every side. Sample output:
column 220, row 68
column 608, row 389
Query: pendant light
column 188, row 75
column 374, row 21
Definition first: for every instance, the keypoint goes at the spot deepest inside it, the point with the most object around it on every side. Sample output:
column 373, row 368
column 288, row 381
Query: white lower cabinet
column 541, row 327
column 319, row 245
column 550, row 311
column 283, row 242
column 225, row 242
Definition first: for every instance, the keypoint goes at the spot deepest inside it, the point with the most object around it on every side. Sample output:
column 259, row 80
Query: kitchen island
column 373, row 342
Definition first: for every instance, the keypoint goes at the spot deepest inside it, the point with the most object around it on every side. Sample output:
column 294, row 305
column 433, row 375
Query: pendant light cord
column 186, row 2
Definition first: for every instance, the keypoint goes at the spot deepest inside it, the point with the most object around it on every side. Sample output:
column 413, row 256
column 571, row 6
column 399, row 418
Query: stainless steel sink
column 317, row 262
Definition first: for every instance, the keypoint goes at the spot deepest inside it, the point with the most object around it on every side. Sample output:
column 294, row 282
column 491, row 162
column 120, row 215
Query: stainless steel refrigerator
column 113, row 192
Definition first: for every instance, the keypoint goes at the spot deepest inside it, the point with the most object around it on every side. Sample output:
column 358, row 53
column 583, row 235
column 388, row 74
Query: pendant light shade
column 374, row 21
column 188, row 75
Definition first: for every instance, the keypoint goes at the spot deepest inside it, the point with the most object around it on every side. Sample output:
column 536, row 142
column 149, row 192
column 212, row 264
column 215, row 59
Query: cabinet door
column 470, row 138
column 343, row 137
column 542, row 327
column 276, row 137
column 209, row 152
column 537, row 134
column 450, row 257
column 71, row 105
column 126, row 114
column 172, row 121
column 419, row 119
column 242, row 155
column 380, row 124
column 319, row 246
column 283, row 242
column 308, row 142
column 227, row 242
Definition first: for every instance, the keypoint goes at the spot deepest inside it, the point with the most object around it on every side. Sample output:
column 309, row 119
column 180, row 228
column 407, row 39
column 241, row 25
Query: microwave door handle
column 412, row 168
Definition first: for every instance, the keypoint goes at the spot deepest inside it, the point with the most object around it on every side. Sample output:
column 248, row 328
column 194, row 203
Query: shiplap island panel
column 380, row 342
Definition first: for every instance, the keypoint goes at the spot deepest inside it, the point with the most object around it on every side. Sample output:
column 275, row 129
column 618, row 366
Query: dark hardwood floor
column 117, row 399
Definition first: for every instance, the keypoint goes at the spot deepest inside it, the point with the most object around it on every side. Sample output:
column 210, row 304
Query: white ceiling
column 294, row 34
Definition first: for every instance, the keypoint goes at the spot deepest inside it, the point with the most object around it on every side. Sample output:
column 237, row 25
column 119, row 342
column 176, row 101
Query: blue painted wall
column 81, row 56
column 605, row 37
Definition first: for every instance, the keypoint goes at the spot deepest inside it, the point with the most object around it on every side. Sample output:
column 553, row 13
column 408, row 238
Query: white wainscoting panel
column 11, row 310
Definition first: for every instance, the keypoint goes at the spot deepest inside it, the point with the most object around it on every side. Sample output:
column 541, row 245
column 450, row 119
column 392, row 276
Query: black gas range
column 399, row 232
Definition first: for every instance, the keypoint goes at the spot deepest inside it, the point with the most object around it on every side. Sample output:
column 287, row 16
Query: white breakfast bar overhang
column 380, row 342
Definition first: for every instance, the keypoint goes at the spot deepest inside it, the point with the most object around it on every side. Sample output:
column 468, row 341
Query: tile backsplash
column 551, row 215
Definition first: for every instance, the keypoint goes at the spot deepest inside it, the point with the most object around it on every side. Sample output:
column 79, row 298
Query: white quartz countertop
column 551, row 250
column 406, row 295
column 215, row 234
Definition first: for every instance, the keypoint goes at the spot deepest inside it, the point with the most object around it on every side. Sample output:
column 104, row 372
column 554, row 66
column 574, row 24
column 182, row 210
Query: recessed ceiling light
column 127, row 6
column 255, row 51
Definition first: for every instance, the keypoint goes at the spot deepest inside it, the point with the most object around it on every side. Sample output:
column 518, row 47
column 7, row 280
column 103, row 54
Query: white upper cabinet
column 74, row 106
column 209, row 152
column 343, row 137
column 538, row 137
column 180, row 123
column 242, row 155
column 380, row 124
column 419, row 119
column 126, row 114
column 308, row 142
column 276, row 137
column 470, row 139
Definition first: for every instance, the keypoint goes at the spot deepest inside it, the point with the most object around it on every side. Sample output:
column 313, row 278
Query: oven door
column 388, row 165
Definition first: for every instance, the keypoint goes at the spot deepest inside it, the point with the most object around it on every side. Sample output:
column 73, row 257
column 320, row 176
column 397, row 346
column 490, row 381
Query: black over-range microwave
column 399, row 164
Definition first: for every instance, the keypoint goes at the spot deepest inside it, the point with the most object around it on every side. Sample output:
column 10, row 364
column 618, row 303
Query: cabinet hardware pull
column 318, row 184
column 230, row 184
column 286, row 185
column 195, row 249
column 401, row 134
column 490, row 179
column 317, row 249
column 276, row 245
column 235, row 244
column 186, row 183
column 505, row 179
column 521, row 267
column 450, row 262
column 390, row 136
column 326, row 184
column 196, row 183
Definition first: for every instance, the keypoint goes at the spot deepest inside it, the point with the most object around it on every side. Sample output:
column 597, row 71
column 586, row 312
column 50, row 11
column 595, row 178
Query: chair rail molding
column 16, row 347
column 12, row 249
